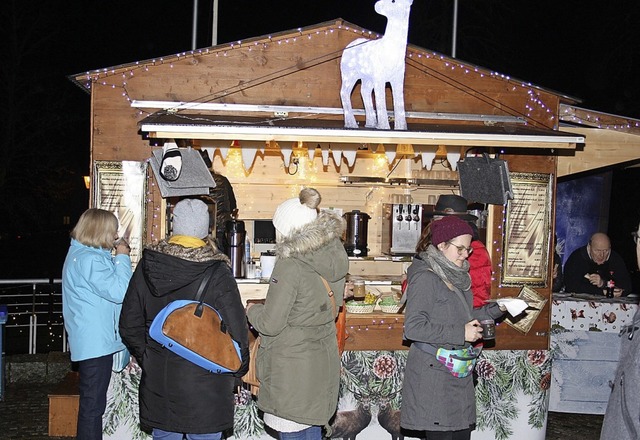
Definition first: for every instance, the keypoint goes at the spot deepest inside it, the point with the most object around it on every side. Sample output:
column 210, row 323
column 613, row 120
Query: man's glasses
column 461, row 249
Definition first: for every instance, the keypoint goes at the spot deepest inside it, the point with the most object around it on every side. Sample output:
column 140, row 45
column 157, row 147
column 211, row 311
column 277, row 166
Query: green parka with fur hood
column 298, row 362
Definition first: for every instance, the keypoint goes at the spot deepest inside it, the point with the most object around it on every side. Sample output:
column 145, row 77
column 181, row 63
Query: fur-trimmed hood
column 312, row 236
column 169, row 267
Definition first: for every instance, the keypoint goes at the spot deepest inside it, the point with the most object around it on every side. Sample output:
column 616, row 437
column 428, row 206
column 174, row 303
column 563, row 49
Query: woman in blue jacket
column 93, row 287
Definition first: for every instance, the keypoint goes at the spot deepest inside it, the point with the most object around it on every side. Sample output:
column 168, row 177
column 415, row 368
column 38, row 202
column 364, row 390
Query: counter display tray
column 369, row 309
column 597, row 298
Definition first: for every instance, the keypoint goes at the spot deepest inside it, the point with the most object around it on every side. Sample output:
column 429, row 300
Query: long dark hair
column 425, row 239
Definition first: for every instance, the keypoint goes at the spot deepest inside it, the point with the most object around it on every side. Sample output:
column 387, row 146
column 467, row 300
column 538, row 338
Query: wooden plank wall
column 268, row 184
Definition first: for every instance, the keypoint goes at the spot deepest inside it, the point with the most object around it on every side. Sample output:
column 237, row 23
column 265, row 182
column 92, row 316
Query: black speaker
column 485, row 180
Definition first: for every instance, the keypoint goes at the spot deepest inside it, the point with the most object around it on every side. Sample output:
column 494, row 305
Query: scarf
column 446, row 270
column 186, row 241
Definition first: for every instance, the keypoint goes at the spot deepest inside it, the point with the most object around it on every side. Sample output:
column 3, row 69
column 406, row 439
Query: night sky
column 584, row 49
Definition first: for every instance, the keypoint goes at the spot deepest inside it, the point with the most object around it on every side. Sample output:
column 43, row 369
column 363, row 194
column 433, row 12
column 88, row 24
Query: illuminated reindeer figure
column 376, row 63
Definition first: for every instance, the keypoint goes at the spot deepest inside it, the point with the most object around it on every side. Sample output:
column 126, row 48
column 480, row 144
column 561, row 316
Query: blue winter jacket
column 93, row 288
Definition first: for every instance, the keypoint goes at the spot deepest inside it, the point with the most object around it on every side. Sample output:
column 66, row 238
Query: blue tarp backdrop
column 582, row 209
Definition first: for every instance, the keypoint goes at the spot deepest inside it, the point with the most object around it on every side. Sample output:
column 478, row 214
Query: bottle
column 611, row 285
column 236, row 234
column 247, row 250
column 249, row 271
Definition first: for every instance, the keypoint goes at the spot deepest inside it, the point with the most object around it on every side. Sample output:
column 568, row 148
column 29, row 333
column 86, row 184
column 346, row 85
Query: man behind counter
column 588, row 268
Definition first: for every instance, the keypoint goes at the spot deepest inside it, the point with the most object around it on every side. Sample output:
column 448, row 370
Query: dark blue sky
column 585, row 49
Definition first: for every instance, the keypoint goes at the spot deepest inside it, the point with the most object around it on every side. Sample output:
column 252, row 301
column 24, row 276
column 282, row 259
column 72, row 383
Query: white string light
column 97, row 77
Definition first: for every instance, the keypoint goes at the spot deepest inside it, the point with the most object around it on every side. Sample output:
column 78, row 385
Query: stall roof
column 85, row 80
column 230, row 128
column 612, row 140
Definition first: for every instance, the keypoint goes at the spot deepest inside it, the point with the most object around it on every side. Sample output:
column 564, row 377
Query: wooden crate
column 63, row 407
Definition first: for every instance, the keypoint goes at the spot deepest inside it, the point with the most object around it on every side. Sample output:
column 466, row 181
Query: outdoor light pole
column 214, row 26
column 195, row 25
column 455, row 28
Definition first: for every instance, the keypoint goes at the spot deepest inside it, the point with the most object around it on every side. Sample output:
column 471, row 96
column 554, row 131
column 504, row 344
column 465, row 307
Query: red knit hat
column 448, row 228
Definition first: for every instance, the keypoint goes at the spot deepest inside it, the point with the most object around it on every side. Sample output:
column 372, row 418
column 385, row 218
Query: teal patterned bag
column 461, row 362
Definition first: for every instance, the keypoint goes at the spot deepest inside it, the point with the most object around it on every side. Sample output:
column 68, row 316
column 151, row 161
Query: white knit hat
column 191, row 217
column 297, row 212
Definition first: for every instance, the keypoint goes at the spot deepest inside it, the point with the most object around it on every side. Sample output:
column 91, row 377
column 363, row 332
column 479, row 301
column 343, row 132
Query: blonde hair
column 96, row 228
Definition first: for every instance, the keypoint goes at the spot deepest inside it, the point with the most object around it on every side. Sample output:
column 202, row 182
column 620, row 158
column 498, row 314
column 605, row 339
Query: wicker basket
column 360, row 307
column 389, row 308
column 392, row 308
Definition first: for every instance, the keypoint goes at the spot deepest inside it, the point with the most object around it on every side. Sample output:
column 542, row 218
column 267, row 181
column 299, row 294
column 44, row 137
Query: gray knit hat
column 191, row 217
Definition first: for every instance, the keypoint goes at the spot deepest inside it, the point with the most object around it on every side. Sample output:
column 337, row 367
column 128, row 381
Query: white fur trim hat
column 191, row 217
column 297, row 212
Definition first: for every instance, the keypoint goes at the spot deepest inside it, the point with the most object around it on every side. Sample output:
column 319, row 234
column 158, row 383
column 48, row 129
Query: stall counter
column 511, row 397
column 585, row 343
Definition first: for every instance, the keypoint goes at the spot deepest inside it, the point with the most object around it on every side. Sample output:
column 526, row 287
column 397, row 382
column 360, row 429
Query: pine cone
column 545, row 382
column 485, row 369
column 242, row 397
column 384, row 366
column 537, row 357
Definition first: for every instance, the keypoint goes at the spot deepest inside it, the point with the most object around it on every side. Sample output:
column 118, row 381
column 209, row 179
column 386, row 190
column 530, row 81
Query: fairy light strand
column 98, row 77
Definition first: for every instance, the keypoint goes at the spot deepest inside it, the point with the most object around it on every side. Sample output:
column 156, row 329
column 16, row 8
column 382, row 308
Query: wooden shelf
column 400, row 181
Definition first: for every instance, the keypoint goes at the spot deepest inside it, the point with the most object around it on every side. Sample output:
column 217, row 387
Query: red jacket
column 480, row 271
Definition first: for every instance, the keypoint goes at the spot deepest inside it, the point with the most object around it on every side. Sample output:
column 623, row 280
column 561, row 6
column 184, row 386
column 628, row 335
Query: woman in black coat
column 176, row 396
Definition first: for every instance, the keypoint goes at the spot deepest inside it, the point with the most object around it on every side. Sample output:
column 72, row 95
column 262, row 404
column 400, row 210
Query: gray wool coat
column 298, row 364
column 622, row 418
column 432, row 398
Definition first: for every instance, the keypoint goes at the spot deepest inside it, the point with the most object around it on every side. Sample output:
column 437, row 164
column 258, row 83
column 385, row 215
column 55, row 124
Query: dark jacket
column 432, row 398
column 298, row 362
column 176, row 395
column 580, row 263
column 225, row 205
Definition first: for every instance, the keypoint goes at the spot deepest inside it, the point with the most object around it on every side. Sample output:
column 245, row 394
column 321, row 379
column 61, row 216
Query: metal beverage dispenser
column 236, row 235
column 355, row 242
column 401, row 228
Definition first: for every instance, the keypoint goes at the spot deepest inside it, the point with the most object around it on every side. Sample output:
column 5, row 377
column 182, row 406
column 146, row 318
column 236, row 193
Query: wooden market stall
column 268, row 110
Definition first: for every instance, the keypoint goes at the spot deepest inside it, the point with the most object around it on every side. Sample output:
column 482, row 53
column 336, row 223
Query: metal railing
column 34, row 313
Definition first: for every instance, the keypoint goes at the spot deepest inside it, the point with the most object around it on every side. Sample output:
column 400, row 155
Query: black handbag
column 484, row 179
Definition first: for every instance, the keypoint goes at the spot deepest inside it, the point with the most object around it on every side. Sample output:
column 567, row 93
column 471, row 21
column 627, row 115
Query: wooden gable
column 295, row 68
